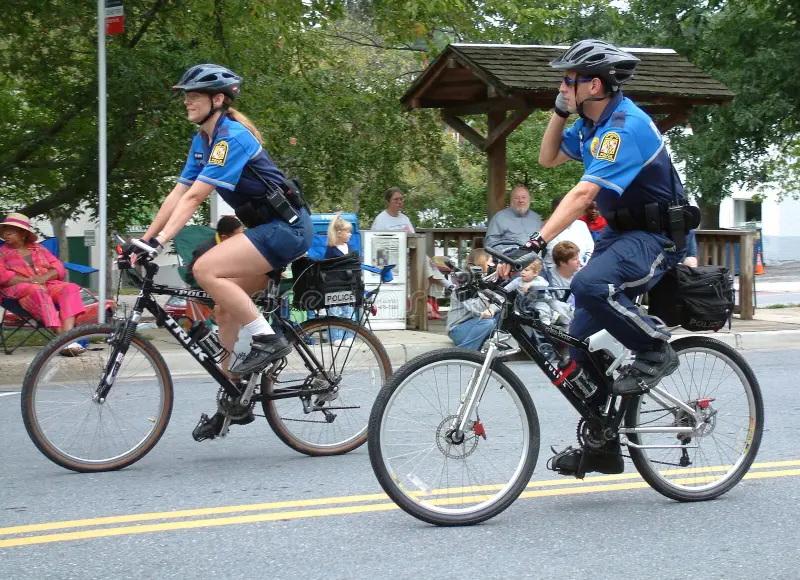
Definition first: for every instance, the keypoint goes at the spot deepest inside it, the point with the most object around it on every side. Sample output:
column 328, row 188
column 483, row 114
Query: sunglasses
column 569, row 82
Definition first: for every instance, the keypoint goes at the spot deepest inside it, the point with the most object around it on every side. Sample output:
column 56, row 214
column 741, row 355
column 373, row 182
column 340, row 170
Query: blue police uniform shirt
column 624, row 153
column 222, row 164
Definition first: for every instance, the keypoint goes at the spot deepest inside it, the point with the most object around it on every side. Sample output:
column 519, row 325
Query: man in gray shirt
column 513, row 226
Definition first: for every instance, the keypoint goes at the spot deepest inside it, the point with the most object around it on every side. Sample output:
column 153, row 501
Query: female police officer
column 226, row 155
column 629, row 175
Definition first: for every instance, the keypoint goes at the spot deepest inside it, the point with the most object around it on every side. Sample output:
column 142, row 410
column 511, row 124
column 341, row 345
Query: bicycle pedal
column 205, row 429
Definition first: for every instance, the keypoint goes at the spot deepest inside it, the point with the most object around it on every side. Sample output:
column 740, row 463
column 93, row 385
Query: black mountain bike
column 454, row 434
column 107, row 408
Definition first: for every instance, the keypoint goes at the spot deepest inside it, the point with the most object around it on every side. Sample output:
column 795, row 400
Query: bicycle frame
column 145, row 301
column 611, row 416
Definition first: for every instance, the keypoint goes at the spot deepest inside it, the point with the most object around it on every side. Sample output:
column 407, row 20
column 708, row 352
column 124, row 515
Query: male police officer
column 630, row 177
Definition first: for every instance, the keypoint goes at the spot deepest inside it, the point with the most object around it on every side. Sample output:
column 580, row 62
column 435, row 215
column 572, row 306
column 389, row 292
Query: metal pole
column 101, row 156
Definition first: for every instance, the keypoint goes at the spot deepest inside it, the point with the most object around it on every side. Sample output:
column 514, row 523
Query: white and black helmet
column 593, row 57
column 211, row 79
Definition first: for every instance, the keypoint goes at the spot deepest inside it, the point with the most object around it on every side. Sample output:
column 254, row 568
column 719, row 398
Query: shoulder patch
column 219, row 153
column 593, row 146
column 609, row 146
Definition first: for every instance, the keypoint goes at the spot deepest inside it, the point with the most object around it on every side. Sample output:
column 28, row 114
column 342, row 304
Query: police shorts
column 281, row 243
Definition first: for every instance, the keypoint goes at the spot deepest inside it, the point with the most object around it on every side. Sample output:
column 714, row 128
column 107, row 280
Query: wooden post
column 418, row 283
column 746, row 275
column 496, row 154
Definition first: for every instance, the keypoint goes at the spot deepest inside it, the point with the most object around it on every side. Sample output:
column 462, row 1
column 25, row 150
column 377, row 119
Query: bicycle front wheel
column 334, row 419
column 715, row 380
column 77, row 432
column 447, row 479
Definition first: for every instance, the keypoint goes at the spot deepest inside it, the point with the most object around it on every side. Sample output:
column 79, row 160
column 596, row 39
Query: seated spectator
column 594, row 220
column 566, row 263
column 339, row 232
column 227, row 226
column 577, row 232
column 691, row 250
column 469, row 323
column 513, row 226
column 32, row 275
column 392, row 219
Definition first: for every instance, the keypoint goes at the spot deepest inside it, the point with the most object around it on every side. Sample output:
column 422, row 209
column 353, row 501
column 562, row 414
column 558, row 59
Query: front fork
column 121, row 341
column 474, row 393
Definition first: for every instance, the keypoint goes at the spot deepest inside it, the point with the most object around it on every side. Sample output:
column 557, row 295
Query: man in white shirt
column 578, row 233
column 392, row 219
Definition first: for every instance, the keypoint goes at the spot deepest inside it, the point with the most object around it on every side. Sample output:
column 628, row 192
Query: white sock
column 259, row 326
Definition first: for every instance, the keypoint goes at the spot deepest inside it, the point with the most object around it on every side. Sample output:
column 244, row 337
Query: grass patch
column 776, row 306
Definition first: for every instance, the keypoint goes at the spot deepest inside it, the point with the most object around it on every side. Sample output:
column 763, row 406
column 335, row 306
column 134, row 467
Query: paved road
column 260, row 510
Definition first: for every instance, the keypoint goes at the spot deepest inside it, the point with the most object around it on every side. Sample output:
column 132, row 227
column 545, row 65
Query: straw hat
column 20, row 221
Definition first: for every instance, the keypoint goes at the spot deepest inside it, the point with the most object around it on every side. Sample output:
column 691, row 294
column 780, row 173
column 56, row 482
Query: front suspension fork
column 477, row 385
column 121, row 342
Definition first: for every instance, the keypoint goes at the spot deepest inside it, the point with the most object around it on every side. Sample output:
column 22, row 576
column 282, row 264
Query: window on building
column 752, row 211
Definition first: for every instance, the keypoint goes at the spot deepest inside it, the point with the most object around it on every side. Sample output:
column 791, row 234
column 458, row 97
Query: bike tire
column 669, row 483
column 37, row 381
column 276, row 413
column 395, row 489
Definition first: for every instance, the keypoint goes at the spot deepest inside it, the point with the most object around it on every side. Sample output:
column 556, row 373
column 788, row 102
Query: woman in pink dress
column 34, row 276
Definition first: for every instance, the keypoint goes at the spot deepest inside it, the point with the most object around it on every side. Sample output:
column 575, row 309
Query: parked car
column 176, row 307
column 90, row 302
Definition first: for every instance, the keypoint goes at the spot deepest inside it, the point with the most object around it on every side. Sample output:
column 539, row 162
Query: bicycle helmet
column 597, row 58
column 211, row 79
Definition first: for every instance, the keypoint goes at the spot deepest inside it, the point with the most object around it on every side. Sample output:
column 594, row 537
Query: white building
column 779, row 222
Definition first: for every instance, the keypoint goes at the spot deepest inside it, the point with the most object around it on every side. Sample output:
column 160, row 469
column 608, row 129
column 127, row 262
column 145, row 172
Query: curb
column 183, row 365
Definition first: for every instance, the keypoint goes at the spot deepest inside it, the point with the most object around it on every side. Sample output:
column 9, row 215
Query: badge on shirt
column 593, row 146
column 609, row 147
column 198, row 155
column 219, row 153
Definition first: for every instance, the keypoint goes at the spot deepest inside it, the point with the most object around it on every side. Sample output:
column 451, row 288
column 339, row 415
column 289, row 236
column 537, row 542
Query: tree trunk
column 709, row 216
column 60, row 232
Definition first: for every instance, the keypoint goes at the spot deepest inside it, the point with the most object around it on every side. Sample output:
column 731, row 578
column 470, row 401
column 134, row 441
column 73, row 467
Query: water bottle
column 207, row 340
column 582, row 384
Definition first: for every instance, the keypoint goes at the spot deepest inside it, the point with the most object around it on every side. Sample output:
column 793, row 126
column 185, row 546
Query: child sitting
column 339, row 232
column 469, row 323
column 550, row 310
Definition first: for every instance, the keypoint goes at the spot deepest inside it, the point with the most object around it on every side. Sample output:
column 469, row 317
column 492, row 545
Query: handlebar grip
column 516, row 264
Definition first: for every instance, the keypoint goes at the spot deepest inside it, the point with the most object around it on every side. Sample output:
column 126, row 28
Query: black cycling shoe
column 647, row 369
column 579, row 462
column 264, row 349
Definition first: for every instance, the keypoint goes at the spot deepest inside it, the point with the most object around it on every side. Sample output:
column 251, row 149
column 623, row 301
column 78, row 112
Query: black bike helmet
column 593, row 57
column 210, row 79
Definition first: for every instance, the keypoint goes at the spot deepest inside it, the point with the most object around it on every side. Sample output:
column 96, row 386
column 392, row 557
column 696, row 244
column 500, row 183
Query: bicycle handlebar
column 517, row 264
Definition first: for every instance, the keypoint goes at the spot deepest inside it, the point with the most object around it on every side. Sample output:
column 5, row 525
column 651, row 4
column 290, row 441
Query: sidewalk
column 772, row 328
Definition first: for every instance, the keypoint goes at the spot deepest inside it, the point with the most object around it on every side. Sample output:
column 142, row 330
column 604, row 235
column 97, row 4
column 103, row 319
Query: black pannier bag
column 332, row 282
column 695, row 298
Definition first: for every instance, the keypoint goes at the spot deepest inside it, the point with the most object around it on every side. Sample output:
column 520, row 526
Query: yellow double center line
column 341, row 505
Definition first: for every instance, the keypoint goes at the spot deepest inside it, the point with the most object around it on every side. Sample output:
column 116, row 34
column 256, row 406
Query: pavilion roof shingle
column 662, row 73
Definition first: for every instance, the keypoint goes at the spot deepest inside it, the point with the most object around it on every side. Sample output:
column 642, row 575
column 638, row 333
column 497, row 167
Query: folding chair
column 22, row 320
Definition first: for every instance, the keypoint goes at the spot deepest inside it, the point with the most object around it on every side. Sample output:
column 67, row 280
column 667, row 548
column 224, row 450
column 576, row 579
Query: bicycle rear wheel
column 76, row 432
column 338, row 420
column 716, row 380
column 428, row 473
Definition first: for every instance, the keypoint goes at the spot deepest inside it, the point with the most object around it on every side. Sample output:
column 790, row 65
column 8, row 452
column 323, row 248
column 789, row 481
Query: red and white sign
column 115, row 18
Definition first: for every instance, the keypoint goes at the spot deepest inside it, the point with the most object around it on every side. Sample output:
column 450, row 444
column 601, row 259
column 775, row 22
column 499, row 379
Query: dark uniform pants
column 624, row 265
